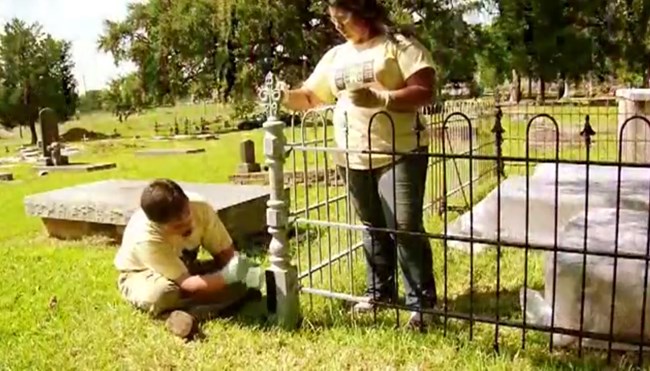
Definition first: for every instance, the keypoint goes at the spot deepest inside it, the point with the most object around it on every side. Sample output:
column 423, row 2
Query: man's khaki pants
column 156, row 295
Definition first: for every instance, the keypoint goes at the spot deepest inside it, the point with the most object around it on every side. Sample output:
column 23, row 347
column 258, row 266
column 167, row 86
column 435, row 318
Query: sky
column 78, row 21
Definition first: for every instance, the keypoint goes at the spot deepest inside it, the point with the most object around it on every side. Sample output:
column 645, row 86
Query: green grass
column 90, row 327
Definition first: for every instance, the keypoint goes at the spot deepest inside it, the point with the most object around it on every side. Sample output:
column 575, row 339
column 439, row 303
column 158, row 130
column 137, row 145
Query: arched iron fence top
column 627, row 121
column 483, row 115
column 462, row 115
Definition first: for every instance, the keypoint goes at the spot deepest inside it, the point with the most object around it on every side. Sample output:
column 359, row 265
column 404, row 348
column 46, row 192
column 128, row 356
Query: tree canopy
column 206, row 49
column 35, row 72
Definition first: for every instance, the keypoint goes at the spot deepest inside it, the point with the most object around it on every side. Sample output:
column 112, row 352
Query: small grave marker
column 169, row 151
column 247, row 156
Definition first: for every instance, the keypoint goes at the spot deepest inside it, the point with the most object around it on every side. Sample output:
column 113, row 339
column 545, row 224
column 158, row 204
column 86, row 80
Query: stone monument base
column 169, row 151
column 104, row 208
column 245, row 168
column 76, row 167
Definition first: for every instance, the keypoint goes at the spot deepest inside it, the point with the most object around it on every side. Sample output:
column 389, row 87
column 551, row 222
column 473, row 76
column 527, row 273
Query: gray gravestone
column 49, row 143
column 247, row 156
column 169, row 151
column 105, row 207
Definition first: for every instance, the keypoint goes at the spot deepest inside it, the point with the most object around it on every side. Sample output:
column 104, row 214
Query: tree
column 35, row 72
column 91, row 101
column 124, row 96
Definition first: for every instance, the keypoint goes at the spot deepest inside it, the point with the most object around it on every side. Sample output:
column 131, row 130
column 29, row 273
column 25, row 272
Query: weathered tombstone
column 247, row 155
column 104, row 207
column 49, row 133
column 51, row 148
column 635, row 137
column 169, row 151
column 55, row 155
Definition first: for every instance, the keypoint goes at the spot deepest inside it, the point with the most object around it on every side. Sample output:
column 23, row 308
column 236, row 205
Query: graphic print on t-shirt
column 354, row 75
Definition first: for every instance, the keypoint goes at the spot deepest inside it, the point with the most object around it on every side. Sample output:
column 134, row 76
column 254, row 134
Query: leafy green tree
column 35, row 72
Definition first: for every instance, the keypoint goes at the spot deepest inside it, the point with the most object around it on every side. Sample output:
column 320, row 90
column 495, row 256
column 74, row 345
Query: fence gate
column 530, row 213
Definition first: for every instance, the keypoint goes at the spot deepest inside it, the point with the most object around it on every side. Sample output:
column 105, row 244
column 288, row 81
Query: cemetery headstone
column 49, row 135
column 247, row 155
column 169, row 151
column 104, row 207
column 51, row 148
column 636, row 134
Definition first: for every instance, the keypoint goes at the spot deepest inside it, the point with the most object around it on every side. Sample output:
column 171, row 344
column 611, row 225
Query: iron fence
column 518, row 198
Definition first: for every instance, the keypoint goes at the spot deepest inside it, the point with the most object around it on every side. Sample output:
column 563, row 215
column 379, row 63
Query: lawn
column 59, row 307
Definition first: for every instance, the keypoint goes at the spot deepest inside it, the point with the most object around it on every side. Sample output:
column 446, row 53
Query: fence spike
column 587, row 132
column 498, row 131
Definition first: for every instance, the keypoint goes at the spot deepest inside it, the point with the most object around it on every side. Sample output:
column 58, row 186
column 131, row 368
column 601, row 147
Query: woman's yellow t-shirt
column 381, row 64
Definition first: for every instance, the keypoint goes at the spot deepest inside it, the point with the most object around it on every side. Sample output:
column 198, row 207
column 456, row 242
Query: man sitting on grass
column 157, row 261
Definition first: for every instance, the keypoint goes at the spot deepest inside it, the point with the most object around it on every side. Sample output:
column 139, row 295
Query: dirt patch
column 4, row 134
column 78, row 135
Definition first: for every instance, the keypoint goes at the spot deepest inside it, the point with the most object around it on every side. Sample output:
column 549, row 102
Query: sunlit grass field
column 89, row 327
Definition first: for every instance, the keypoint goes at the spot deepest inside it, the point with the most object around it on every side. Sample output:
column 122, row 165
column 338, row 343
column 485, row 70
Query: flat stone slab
column 6, row 177
column 105, row 207
column 637, row 95
column 564, row 272
column 169, row 151
column 207, row 137
column 600, row 173
column 77, row 168
column 482, row 220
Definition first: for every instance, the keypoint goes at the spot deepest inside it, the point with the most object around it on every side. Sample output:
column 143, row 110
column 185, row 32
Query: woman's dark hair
column 375, row 14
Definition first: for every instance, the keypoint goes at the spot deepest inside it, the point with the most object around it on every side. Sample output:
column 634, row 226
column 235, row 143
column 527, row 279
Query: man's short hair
column 163, row 201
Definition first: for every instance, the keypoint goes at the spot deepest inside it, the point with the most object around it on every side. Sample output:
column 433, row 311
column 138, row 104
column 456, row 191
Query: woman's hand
column 370, row 98
column 301, row 99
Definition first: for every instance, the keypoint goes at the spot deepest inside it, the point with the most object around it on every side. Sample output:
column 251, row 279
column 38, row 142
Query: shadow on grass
column 331, row 314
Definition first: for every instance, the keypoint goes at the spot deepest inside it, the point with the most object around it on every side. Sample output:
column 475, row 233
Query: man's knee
column 153, row 294
column 164, row 297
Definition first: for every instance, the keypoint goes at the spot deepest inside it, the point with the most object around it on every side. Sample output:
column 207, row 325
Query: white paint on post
column 282, row 275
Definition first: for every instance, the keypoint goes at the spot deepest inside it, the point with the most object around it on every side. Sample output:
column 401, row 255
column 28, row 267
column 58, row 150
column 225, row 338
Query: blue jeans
column 380, row 205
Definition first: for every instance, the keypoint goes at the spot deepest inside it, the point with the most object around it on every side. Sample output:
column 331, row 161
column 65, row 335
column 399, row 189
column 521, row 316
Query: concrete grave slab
column 77, row 167
column 536, row 198
column 169, row 151
column 207, row 137
column 104, row 208
column 6, row 177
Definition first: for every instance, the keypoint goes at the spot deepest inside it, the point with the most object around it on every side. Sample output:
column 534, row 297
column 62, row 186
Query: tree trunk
column 32, row 129
column 20, row 130
column 590, row 86
column 542, row 91
column 515, row 91
column 530, row 88
column 567, row 90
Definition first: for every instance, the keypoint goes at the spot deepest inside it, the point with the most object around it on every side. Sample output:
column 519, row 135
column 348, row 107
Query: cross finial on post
column 270, row 95
column 282, row 275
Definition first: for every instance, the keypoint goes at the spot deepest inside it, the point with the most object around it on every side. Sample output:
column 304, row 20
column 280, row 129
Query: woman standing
column 379, row 70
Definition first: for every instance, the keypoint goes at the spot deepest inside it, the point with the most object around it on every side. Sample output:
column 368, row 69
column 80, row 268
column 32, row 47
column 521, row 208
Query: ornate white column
column 282, row 276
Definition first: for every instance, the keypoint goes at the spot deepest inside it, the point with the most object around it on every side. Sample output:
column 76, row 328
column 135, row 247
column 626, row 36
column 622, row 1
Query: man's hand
column 370, row 98
column 236, row 269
